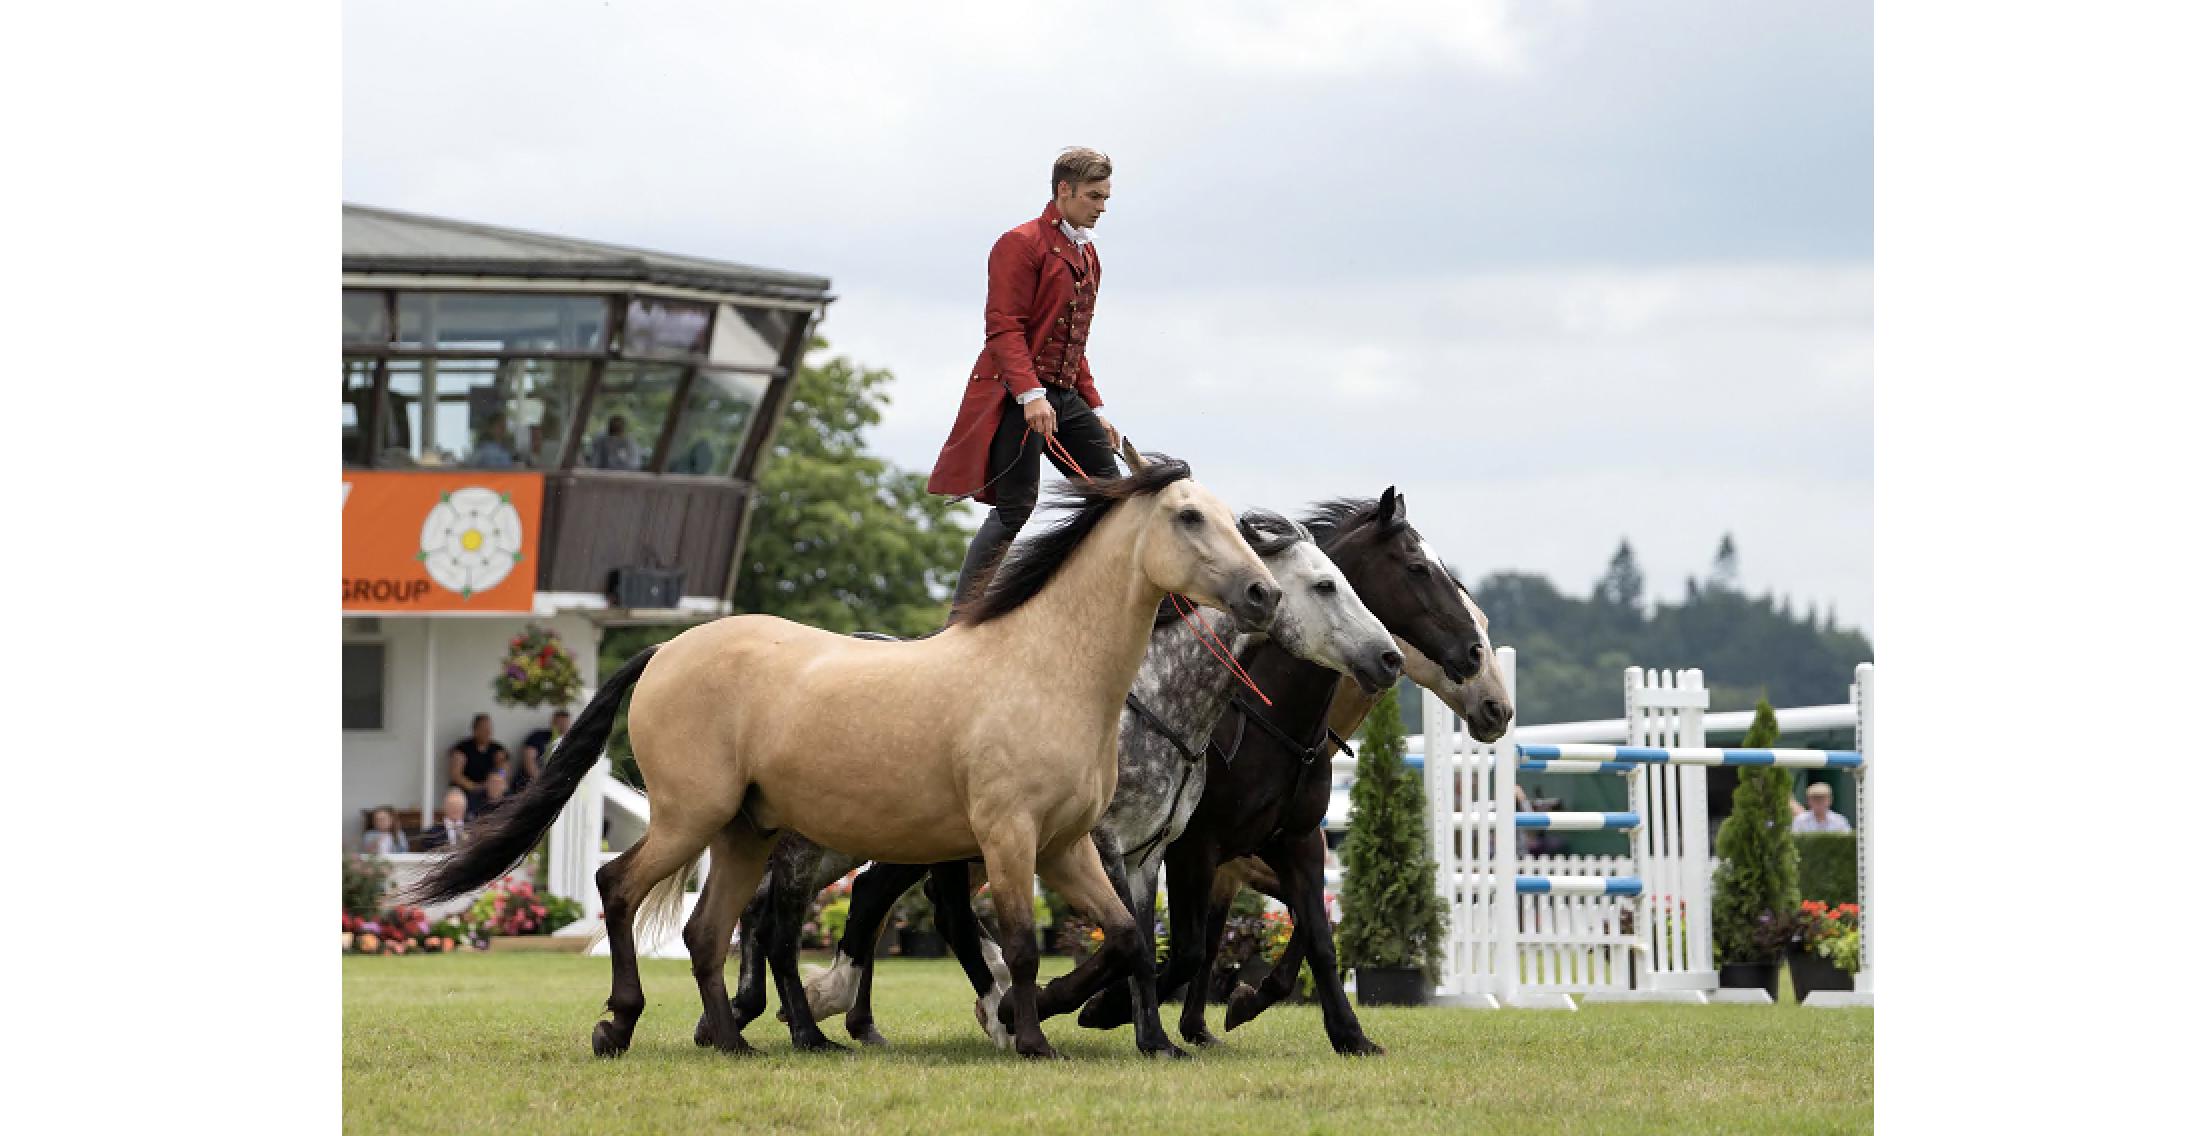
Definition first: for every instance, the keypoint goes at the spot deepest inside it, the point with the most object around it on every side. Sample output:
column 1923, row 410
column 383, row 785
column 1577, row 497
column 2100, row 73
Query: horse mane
column 1029, row 565
column 1330, row 521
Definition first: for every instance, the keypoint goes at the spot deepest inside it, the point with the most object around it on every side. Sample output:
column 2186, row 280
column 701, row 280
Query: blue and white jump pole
column 1533, row 935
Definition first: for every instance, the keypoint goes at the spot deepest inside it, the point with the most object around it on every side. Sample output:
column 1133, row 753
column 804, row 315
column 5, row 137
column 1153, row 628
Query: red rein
column 1191, row 613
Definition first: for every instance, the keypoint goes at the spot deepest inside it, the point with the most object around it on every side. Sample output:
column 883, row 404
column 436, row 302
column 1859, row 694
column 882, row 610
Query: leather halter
column 1151, row 719
column 1308, row 752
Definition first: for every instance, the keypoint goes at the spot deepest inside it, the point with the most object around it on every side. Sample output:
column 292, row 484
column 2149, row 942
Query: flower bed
column 507, row 909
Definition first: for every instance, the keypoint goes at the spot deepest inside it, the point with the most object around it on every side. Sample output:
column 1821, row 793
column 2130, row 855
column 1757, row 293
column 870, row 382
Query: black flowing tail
column 494, row 843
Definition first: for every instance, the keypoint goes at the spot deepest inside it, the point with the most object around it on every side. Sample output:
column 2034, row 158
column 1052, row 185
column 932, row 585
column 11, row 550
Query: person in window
column 492, row 450
column 534, row 748
column 1819, row 817
column 473, row 758
column 384, row 837
column 448, row 829
column 614, row 449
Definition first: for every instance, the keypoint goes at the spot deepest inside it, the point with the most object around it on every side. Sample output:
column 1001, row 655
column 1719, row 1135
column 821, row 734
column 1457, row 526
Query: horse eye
column 1190, row 517
column 1325, row 588
column 1418, row 567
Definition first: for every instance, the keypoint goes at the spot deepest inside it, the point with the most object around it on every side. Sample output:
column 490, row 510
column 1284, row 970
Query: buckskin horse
column 1178, row 696
column 995, row 738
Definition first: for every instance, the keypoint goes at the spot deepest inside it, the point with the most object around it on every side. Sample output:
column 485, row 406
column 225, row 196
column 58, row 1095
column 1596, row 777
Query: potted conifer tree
column 1391, row 928
column 1757, row 892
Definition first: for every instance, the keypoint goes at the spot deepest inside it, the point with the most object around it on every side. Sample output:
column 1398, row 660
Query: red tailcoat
column 1042, row 293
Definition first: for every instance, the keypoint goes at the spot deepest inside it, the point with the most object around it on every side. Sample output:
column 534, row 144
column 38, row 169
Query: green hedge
column 1827, row 866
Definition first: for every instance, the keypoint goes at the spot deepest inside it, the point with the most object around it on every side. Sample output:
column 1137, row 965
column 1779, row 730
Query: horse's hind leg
column 623, row 884
column 739, row 858
column 782, row 944
column 848, row 985
column 950, row 891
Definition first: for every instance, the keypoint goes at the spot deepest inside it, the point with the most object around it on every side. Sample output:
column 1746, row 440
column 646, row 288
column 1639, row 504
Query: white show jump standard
column 1608, row 928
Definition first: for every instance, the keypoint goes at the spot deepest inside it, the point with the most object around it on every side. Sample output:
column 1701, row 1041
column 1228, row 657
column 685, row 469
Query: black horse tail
column 495, row 842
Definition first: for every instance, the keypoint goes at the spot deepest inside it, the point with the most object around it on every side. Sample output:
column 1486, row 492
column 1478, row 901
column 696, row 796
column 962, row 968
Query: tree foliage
column 1758, row 865
column 1391, row 915
column 1570, row 650
column 841, row 539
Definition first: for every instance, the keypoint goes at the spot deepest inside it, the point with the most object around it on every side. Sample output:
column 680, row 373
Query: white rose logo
column 471, row 540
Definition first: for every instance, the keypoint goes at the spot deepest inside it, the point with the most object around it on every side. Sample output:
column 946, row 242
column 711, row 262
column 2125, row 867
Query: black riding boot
column 989, row 543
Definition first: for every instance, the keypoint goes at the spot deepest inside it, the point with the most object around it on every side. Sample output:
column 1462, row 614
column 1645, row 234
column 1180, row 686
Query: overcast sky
column 1562, row 272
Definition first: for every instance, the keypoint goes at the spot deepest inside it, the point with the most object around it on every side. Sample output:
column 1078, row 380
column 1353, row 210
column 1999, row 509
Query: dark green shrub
column 1391, row 915
column 366, row 878
column 1757, row 864
column 1828, row 866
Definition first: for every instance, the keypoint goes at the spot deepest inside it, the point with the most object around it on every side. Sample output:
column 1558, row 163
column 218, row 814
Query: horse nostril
column 1392, row 659
column 1263, row 595
column 1495, row 709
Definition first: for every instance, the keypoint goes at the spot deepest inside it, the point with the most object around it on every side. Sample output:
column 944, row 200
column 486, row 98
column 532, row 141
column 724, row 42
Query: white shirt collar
column 1077, row 236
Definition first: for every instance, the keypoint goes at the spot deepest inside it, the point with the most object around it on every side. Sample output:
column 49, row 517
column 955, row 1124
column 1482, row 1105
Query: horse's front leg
column 1010, row 853
column 1301, row 866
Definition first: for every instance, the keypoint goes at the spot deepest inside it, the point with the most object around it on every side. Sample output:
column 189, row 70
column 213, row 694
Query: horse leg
column 623, row 884
column 1150, row 1036
column 1078, row 871
column 1188, row 874
column 950, row 889
column 1301, row 866
column 848, row 986
column 1245, row 1001
column 750, row 999
column 1249, row 1001
column 782, row 945
column 1010, row 854
column 739, row 858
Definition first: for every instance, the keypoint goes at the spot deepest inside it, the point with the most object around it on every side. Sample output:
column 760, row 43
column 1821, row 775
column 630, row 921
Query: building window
column 482, row 321
column 716, row 418
column 665, row 327
column 362, row 686
column 637, row 396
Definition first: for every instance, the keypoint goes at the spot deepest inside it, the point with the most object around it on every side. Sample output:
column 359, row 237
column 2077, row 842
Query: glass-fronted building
column 535, row 429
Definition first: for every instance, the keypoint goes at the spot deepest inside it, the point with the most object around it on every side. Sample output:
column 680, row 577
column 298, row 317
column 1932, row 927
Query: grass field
column 499, row 1043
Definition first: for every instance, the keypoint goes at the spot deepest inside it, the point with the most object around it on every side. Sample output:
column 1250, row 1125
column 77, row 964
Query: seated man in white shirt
column 1819, row 817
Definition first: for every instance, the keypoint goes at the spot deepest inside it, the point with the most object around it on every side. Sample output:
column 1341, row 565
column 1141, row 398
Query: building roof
column 385, row 241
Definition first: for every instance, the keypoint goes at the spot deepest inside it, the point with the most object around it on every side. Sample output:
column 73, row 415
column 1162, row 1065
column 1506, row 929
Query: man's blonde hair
column 1817, row 788
column 1078, row 166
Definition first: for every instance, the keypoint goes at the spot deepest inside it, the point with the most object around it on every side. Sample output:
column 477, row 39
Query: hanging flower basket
column 537, row 671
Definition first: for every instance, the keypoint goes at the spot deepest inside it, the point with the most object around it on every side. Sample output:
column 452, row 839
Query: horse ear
column 1135, row 463
column 1392, row 510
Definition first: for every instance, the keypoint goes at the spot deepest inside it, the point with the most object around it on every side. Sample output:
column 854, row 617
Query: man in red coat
column 1032, row 379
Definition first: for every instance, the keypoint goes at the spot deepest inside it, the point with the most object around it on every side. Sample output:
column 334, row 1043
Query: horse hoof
column 1041, row 1051
column 703, row 1038
column 606, row 1041
column 1166, row 1050
column 1105, row 1012
column 870, row 1036
column 1246, row 1004
column 1201, row 1038
column 819, row 1044
column 1361, row 1047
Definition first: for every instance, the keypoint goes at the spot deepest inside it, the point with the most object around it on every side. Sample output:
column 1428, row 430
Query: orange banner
column 445, row 541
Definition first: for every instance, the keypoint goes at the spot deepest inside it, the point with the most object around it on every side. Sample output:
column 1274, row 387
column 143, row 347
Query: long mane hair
column 1330, row 521
column 1029, row 565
